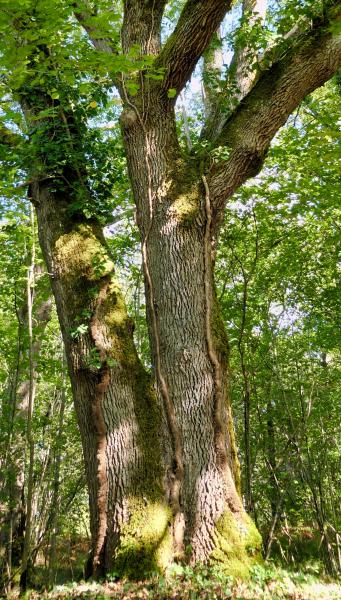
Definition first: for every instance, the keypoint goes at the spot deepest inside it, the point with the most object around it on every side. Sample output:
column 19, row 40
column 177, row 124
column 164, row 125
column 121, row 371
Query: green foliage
column 278, row 277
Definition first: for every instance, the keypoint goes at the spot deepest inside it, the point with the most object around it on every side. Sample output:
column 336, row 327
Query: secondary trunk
column 115, row 403
column 113, row 397
column 189, row 344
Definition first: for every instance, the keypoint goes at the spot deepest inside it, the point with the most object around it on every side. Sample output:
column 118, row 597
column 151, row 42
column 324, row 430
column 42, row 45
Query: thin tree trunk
column 55, row 502
column 14, row 462
column 12, row 481
column 246, row 400
column 31, row 398
column 271, row 458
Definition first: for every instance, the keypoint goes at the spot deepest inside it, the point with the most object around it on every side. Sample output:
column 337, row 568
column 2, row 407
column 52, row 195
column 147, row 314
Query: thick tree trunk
column 113, row 398
column 189, row 344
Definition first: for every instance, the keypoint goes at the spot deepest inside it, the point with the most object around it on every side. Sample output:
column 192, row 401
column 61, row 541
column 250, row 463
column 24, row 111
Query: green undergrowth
column 266, row 582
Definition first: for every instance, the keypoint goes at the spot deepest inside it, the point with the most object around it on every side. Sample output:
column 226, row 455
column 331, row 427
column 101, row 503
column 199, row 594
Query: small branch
column 212, row 69
column 241, row 74
column 219, row 399
column 185, row 120
column 84, row 15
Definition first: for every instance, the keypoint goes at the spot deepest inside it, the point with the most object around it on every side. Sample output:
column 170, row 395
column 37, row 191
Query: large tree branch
column 241, row 74
column 314, row 58
column 241, row 66
column 192, row 35
column 142, row 25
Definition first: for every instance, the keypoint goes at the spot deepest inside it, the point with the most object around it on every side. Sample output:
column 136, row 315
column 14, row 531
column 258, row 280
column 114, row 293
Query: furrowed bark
column 192, row 35
column 189, row 345
column 142, row 25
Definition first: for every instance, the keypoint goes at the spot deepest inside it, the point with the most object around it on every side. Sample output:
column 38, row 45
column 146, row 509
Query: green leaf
column 171, row 93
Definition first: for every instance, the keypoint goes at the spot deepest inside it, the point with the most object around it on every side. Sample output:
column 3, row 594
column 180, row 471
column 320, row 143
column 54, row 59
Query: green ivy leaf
column 171, row 93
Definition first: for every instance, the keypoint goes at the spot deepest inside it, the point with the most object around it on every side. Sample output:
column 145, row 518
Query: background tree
column 56, row 460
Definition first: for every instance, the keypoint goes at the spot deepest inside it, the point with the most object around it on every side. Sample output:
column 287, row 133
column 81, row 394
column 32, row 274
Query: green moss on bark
column 238, row 544
column 82, row 253
column 184, row 193
column 186, row 208
column 146, row 545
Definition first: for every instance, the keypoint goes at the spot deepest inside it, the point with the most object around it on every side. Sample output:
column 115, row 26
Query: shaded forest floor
column 266, row 583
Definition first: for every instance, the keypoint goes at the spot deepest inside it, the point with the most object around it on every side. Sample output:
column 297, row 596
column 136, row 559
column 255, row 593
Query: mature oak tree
column 159, row 450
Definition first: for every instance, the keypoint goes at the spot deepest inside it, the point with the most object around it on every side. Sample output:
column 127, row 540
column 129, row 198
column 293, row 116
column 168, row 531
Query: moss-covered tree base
column 238, row 545
column 146, row 544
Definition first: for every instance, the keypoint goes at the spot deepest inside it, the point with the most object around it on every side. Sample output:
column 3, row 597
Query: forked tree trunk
column 161, row 470
column 149, row 503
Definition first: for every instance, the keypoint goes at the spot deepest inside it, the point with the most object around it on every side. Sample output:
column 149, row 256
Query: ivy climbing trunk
column 189, row 344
